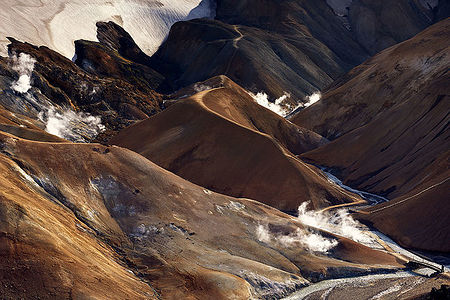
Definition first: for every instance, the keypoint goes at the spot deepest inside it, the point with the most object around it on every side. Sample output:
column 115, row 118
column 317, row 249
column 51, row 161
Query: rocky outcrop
column 116, row 38
column 100, row 60
column 116, row 89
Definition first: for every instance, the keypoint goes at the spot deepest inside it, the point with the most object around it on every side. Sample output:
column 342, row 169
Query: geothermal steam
column 263, row 99
column 73, row 126
column 65, row 123
column 303, row 238
column 24, row 65
column 283, row 110
column 338, row 222
column 311, row 99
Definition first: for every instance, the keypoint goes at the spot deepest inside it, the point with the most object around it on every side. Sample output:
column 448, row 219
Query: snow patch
column 270, row 289
column 392, row 289
column 57, row 24
column 372, row 198
column 235, row 206
column 340, row 6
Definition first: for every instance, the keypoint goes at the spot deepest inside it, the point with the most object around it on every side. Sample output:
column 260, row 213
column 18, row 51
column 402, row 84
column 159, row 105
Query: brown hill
column 85, row 220
column 392, row 112
column 223, row 140
column 419, row 219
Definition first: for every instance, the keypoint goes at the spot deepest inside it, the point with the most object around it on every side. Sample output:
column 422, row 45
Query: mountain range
column 251, row 149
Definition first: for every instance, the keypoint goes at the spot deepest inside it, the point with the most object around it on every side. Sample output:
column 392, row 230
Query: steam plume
column 24, row 65
column 311, row 99
column 306, row 239
column 338, row 222
column 263, row 99
column 71, row 125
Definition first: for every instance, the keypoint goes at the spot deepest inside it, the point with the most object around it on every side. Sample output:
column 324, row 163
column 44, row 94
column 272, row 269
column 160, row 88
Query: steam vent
column 224, row 149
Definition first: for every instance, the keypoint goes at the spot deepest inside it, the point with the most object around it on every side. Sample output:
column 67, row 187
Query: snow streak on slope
column 57, row 23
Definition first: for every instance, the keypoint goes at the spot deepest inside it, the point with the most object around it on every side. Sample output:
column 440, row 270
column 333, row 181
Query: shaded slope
column 256, row 59
column 419, row 219
column 389, row 78
column 398, row 102
column 91, row 205
column 223, row 140
column 393, row 114
column 297, row 47
column 351, row 29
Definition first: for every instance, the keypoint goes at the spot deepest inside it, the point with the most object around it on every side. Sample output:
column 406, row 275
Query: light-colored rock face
column 57, row 23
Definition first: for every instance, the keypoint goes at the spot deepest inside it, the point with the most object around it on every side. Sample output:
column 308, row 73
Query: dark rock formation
column 118, row 90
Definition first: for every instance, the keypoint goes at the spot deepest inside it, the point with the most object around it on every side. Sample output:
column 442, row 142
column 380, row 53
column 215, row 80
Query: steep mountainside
column 141, row 170
column 304, row 45
column 85, row 220
column 393, row 114
column 223, row 140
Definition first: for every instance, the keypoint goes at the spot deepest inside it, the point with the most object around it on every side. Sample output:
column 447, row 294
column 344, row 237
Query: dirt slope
column 223, row 140
column 85, row 220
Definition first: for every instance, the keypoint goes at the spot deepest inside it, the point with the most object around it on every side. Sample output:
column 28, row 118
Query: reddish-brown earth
column 223, row 140
column 85, row 220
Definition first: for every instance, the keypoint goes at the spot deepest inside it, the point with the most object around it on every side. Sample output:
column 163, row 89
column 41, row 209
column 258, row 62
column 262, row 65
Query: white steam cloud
column 263, row 99
column 24, row 65
column 303, row 238
column 284, row 109
column 338, row 222
column 199, row 87
column 73, row 126
column 311, row 99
